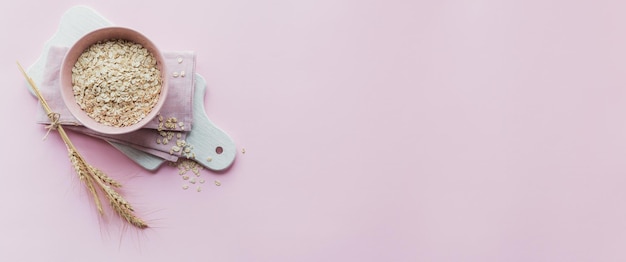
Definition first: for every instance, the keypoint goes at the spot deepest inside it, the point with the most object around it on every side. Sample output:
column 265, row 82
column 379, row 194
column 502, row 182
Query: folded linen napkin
column 178, row 104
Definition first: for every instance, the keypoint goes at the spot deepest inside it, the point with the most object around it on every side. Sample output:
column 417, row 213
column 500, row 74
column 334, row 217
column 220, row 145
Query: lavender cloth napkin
column 178, row 104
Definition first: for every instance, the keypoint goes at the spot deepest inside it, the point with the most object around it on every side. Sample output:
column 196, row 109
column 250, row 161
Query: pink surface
column 374, row 131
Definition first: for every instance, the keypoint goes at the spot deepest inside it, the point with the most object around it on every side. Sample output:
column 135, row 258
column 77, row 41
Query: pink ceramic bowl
column 72, row 56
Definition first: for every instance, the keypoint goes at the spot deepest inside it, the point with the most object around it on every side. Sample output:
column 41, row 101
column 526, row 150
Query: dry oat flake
column 116, row 82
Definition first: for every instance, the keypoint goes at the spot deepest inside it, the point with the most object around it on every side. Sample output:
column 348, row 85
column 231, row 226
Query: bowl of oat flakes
column 113, row 80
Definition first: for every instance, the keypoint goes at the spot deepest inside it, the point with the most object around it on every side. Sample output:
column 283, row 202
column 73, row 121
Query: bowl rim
column 71, row 56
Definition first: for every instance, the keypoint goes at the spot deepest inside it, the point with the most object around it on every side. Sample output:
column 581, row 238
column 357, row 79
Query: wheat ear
column 87, row 173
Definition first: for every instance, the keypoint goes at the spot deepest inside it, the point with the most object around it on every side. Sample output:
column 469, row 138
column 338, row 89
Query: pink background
column 375, row 131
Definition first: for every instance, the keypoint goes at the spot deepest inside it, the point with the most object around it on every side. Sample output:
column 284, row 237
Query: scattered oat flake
column 185, row 187
column 208, row 159
column 218, row 183
column 199, row 189
column 243, row 150
column 184, row 166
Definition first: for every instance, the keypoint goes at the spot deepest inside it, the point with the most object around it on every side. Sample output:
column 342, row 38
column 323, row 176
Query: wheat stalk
column 90, row 175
